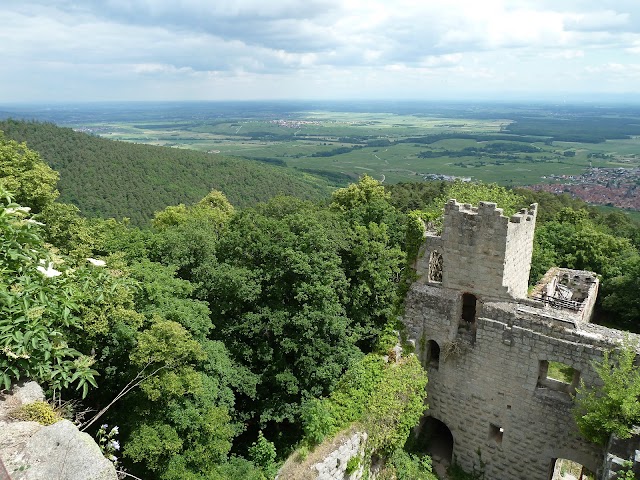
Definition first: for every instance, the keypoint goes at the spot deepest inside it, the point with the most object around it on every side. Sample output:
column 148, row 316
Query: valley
column 554, row 147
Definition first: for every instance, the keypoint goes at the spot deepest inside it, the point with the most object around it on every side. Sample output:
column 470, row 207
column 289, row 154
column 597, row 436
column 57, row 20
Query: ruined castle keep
column 490, row 345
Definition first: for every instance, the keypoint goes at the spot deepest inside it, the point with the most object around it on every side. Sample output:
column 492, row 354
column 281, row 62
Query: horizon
column 591, row 99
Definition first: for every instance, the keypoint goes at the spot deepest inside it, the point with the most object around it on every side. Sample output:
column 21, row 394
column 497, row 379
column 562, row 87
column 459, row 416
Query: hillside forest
column 106, row 178
column 223, row 335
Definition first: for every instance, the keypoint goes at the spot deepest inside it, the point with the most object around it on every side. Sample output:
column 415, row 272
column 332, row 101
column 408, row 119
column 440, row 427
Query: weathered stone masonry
column 486, row 344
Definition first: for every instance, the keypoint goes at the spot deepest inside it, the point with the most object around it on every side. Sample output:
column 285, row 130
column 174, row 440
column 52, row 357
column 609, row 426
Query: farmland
column 512, row 145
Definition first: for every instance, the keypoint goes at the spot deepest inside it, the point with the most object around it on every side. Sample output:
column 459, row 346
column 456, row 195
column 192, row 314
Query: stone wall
column 329, row 460
column 334, row 465
column 493, row 384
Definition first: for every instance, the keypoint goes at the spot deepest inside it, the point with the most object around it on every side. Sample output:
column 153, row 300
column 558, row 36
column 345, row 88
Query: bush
column 412, row 467
column 41, row 412
column 352, row 465
column 38, row 306
column 396, row 405
column 262, row 453
column 317, row 421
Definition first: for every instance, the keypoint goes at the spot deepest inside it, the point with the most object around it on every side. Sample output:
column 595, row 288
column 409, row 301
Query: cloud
column 606, row 20
column 634, row 47
column 616, row 71
column 158, row 68
column 199, row 41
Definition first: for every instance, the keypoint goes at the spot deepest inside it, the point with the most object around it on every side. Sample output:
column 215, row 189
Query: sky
column 112, row 50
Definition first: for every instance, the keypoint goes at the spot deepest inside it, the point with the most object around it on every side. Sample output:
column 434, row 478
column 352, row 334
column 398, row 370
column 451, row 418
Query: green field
column 634, row 215
column 302, row 141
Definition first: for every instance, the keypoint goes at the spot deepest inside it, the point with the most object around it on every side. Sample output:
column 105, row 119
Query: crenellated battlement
column 490, row 210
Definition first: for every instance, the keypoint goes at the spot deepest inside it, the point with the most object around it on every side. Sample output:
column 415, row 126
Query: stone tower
column 483, row 252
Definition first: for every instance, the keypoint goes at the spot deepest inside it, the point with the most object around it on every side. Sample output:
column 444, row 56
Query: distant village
column 294, row 123
column 441, row 177
column 599, row 186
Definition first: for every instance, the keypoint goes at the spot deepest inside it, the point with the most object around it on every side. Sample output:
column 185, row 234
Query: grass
column 561, row 372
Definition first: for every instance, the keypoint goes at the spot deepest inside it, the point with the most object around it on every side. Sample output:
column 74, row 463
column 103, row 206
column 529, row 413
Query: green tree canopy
column 612, row 408
column 620, row 294
column 277, row 293
column 23, row 173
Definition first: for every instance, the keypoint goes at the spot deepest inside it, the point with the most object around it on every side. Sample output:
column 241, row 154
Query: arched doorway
column 436, row 439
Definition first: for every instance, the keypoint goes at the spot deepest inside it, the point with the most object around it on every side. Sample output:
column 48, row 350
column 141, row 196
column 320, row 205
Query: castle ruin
column 493, row 348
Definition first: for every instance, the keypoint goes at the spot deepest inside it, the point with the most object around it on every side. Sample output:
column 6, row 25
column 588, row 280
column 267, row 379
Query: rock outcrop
column 31, row 451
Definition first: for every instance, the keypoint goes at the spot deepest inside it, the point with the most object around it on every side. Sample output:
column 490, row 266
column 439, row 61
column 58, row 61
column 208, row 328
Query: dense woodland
column 576, row 127
column 235, row 335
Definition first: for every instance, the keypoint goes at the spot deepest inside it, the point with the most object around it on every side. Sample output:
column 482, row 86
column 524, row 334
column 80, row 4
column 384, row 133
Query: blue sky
column 89, row 50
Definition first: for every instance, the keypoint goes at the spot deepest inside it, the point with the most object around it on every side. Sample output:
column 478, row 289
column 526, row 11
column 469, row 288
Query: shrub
column 38, row 306
column 41, row 412
column 262, row 453
column 317, row 421
column 397, row 405
column 412, row 467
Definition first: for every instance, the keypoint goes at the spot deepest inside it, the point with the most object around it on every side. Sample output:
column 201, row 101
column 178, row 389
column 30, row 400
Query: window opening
column 467, row 326
column 435, row 266
column 558, row 377
column 433, row 354
column 563, row 469
column 469, row 308
column 496, row 433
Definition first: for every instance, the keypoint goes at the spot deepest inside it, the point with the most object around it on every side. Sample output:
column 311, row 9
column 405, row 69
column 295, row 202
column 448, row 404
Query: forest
column 224, row 335
column 579, row 127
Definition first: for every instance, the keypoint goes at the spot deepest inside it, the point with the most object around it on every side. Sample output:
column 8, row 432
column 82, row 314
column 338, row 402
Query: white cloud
column 616, row 71
column 596, row 21
column 432, row 61
column 634, row 47
column 156, row 68
column 140, row 47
